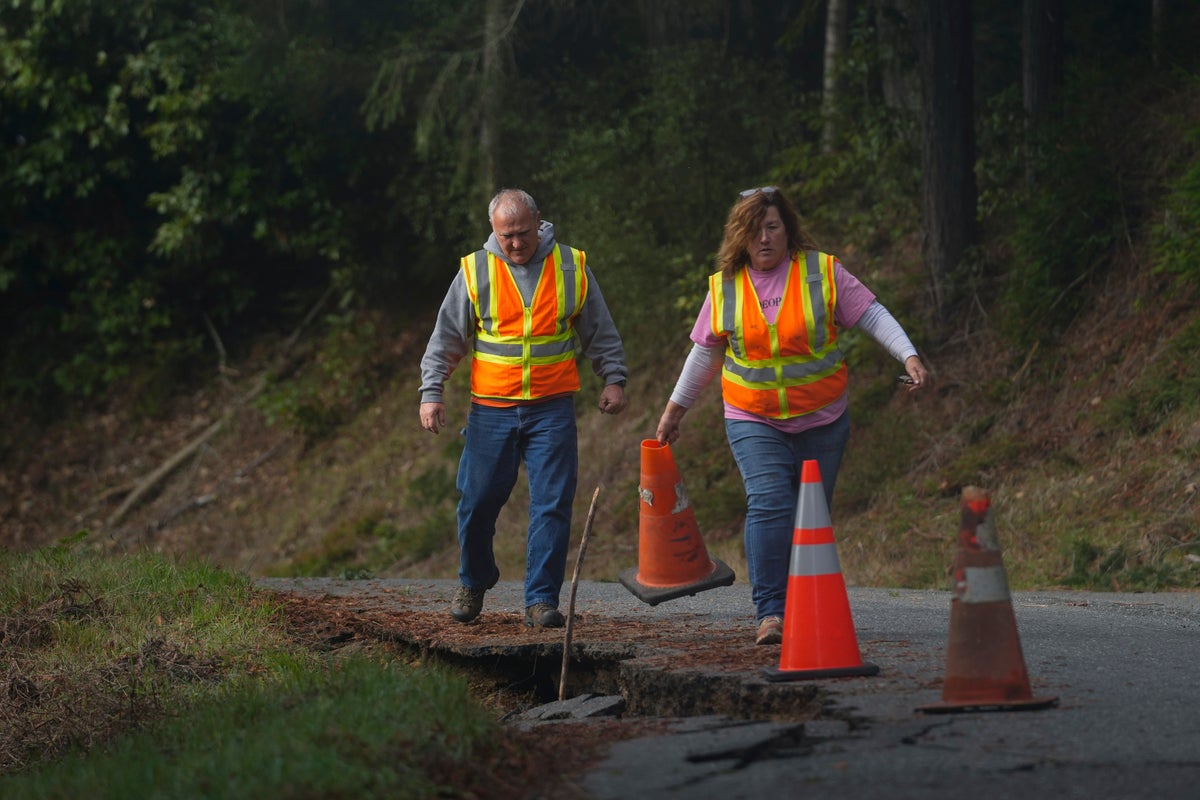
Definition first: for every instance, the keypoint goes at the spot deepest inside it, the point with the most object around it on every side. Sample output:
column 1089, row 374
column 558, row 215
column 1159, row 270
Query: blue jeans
column 770, row 462
column 542, row 435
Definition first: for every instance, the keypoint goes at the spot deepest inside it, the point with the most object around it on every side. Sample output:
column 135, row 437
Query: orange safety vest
column 793, row 366
column 525, row 352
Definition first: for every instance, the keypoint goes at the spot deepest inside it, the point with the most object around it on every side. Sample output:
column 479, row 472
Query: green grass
column 136, row 676
column 1169, row 383
column 360, row 729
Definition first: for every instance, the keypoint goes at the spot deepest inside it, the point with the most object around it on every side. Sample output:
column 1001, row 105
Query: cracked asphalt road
column 1124, row 667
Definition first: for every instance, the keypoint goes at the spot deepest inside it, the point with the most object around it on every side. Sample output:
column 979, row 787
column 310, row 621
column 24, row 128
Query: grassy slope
column 1081, row 495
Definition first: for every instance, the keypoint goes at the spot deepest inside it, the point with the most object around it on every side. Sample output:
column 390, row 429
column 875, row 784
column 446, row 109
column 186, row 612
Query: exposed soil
column 546, row 761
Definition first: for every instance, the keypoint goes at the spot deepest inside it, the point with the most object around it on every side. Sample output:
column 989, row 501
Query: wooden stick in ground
column 587, row 528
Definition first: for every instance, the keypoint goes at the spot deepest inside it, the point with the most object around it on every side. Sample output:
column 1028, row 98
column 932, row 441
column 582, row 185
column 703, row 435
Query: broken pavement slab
column 584, row 706
column 673, row 660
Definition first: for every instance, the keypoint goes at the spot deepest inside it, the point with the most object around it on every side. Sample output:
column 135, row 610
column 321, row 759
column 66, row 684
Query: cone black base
column 963, row 707
column 653, row 595
column 776, row 675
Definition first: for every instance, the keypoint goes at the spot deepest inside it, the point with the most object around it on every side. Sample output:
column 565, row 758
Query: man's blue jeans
column 543, row 436
column 770, row 463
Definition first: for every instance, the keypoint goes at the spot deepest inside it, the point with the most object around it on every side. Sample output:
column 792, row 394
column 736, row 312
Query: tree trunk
column 1157, row 21
column 1041, row 70
column 835, row 36
column 489, row 90
column 895, row 44
column 948, row 146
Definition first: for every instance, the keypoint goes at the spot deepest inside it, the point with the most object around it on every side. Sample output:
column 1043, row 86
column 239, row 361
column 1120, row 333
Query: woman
column 769, row 326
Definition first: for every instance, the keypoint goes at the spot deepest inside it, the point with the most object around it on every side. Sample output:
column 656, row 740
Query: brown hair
column 743, row 224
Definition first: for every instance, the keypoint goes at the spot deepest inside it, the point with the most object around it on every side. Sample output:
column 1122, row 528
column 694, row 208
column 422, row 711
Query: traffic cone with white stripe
column 985, row 668
column 672, row 558
column 818, row 629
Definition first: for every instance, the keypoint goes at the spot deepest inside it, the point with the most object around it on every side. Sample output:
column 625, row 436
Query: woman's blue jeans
column 543, row 436
column 770, row 463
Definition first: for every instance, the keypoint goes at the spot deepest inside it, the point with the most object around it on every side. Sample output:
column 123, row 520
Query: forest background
column 227, row 227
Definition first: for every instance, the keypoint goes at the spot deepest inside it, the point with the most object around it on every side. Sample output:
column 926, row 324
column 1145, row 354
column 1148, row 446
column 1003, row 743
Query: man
column 521, row 307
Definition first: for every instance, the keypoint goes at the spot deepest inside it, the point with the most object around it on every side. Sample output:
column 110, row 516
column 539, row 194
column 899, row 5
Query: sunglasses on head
column 763, row 189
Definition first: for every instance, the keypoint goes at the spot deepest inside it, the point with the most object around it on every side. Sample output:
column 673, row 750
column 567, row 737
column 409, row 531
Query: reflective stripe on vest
column 525, row 352
column 790, row 367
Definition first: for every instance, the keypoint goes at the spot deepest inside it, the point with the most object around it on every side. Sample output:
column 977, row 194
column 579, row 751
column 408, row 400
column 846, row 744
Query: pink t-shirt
column 853, row 298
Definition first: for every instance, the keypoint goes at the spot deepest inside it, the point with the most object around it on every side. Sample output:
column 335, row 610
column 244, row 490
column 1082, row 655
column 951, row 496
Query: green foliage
column 654, row 221
column 1118, row 568
column 863, row 191
column 1164, row 387
column 1059, row 242
column 79, row 290
column 164, row 162
column 345, row 374
column 859, row 185
column 375, row 541
column 1177, row 237
column 1055, row 199
column 1001, row 163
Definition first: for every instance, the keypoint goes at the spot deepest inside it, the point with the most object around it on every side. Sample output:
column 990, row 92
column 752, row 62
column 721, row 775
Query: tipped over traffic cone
column 818, row 630
column 672, row 558
column 985, row 668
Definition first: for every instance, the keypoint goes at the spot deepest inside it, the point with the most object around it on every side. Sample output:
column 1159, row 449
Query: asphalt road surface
column 1124, row 668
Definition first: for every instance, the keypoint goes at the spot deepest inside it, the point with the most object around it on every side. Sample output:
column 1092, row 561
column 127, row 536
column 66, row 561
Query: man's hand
column 612, row 399
column 433, row 416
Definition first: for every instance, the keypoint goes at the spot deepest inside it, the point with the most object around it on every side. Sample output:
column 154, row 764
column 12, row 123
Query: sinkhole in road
column 515, row 678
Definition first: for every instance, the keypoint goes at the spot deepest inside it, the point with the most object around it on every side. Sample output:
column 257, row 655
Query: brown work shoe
column 543, row 615
column 770, row 631
column 467, row 604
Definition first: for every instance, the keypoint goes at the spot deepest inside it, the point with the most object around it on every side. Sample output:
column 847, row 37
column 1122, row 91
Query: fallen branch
column 587, row 528
column 222, row 369
column 165, row 469
column 148, row 483
column 204, row 499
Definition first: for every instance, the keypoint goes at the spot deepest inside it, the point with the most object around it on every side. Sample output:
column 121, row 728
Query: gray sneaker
column 543, row 615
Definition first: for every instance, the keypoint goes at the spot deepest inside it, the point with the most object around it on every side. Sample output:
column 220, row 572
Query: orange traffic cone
column 672, row 559
column 818, row 630
column 985, row 668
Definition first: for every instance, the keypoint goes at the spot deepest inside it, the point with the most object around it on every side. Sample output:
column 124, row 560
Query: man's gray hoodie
column 454, row 332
